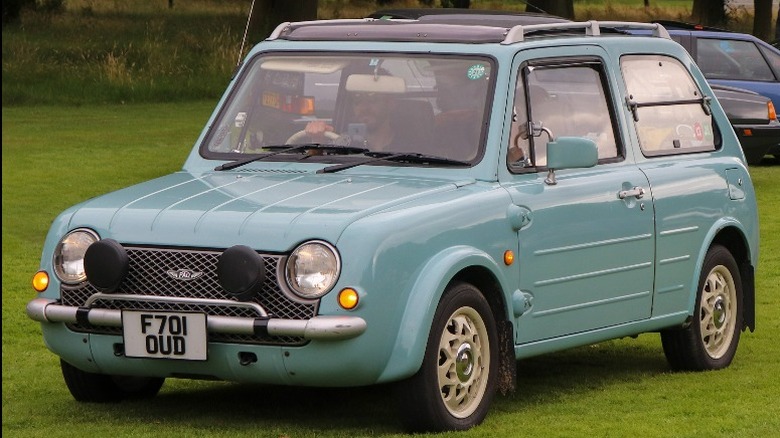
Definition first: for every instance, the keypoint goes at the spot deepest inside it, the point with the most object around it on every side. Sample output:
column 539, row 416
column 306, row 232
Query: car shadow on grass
column 596, row 367
column 289, row 410
column 194, row 405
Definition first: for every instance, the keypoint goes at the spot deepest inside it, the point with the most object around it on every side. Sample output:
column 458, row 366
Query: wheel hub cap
column 464, row 362
column 719, row 312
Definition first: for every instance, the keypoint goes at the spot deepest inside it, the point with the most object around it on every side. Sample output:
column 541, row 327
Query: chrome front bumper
column 322, row 328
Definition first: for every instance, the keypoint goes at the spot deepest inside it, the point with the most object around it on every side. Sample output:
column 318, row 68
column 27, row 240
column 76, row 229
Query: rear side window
column 670, row 113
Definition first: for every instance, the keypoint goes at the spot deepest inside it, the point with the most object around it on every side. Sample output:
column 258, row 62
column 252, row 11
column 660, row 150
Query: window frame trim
column 599, row 65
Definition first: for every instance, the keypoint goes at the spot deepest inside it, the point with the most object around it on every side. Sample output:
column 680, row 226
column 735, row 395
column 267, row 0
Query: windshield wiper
column 285, row 149
column 408, row 157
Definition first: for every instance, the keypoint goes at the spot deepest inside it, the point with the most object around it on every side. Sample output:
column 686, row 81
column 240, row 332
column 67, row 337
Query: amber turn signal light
column 509, row 257
column 40, row 281
column 348, row 298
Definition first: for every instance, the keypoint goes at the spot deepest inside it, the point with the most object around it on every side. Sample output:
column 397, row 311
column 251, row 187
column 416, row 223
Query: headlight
column 312, row 269
column 69, row 255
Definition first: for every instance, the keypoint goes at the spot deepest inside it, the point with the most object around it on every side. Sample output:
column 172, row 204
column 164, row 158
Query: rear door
column 679, row 141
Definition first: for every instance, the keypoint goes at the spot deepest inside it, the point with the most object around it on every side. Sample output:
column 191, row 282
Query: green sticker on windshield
column 476, row 71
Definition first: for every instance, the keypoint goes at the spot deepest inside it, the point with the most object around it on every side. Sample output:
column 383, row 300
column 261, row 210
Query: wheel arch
column 491, row 289
column 465, row 264
column 731, row 235
column 735, row 241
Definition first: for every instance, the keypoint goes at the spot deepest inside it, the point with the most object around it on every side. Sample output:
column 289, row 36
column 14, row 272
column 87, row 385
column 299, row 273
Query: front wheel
column 457, row 380
column 710, row 342
column 101, row 388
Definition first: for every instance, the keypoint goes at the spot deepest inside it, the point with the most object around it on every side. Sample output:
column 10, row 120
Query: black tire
column 710, row 341
column 101, row 388
column 457, row 380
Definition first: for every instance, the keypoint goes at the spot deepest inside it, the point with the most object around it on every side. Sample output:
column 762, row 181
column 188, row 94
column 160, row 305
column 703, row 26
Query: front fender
column 407, row 353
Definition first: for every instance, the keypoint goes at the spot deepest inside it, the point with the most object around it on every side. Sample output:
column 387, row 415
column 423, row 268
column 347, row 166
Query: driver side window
column 560, row 99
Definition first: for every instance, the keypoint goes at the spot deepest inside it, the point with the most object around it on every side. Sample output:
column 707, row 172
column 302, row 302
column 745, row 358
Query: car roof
column 684, row 25
column 685, row 28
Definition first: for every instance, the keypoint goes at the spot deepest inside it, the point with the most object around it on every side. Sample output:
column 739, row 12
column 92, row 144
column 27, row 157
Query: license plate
column 271, row 100
column 164, row 335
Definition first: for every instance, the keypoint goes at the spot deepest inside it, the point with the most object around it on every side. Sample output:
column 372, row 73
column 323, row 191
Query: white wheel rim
column 718, row 311
column 464, row 362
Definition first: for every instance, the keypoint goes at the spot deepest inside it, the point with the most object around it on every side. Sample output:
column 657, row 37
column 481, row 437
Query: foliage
column 12, row 9
column 96, row 52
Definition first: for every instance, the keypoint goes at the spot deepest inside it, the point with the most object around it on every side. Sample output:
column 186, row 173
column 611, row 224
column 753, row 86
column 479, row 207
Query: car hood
column 268, row 210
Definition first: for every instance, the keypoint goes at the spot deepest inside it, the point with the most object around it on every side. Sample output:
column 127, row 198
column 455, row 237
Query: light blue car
column 420, row 203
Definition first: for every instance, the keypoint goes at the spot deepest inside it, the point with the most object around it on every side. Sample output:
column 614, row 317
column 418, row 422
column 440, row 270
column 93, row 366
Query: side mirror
column 570, row 153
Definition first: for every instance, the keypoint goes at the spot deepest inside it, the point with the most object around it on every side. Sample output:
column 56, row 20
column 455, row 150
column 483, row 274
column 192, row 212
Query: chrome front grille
column 151, row 273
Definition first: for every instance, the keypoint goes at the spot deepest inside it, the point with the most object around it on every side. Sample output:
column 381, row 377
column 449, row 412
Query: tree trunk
column 267, row 14
column 709, row 12
column 561, row 8
column 777, row 24
column 762, row 19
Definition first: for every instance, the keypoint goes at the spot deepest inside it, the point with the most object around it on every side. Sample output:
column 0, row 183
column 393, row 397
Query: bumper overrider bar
column 322, row 328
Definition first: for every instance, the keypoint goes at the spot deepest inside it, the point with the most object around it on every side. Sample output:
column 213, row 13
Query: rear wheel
column 457, row 380
column 101, row 388
column 710, row 342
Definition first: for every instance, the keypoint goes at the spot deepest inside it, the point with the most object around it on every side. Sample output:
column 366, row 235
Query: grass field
column 82, row 116
column 56, row 156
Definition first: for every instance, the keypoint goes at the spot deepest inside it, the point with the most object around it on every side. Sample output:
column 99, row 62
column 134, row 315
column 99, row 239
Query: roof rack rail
column 289, row 26
column 592, row 27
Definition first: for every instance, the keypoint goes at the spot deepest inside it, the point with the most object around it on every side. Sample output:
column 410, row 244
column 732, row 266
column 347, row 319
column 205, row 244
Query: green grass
column 56, row 156
column 134, row 55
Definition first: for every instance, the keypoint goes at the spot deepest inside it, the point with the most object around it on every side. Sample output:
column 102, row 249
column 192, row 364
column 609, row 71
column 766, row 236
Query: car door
column 586, row 243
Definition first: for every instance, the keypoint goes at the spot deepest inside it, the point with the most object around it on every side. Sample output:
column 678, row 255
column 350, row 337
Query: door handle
column 637, row 192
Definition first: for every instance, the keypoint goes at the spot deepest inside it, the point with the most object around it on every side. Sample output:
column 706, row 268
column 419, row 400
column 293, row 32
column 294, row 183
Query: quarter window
column 670, row 113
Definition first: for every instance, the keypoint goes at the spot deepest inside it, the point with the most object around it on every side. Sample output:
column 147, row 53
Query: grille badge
column 184, row 274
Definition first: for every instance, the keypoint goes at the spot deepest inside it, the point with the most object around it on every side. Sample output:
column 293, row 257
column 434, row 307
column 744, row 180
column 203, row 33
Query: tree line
column 267, row 13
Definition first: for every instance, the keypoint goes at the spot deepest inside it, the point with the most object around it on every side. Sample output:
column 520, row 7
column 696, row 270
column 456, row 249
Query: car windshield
column 431, row 105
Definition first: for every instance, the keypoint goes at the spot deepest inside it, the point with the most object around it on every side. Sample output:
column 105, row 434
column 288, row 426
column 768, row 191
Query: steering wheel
column 299, row 136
